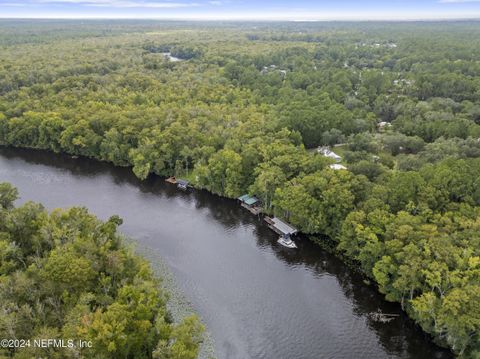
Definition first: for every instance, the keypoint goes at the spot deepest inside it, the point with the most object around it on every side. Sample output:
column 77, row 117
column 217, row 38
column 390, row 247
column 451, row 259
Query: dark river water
column 257, row 299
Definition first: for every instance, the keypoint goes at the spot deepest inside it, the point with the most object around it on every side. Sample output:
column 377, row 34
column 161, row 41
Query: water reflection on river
column 258, row 299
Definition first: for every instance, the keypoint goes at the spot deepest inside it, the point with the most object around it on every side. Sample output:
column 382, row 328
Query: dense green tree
column 68, row 275
column 243, row 111
column 8, row 194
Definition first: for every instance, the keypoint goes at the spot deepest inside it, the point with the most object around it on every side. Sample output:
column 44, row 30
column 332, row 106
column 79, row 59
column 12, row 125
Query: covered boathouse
column 280, row 227
column 251, row 203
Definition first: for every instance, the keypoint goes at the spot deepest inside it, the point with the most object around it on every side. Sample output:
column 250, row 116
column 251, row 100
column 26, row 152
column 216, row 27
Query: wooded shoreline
column 245, row 112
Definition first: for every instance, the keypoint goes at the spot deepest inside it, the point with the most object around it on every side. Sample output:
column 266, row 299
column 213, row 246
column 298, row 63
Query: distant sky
column 243, row 9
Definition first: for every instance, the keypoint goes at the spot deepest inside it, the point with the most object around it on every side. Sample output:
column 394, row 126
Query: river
column 257, row 299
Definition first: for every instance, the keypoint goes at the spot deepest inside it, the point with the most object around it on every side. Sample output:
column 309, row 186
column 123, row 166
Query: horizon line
column 266, row 19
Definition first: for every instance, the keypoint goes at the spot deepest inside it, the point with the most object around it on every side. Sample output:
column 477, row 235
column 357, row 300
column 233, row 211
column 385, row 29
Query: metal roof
column 247, row 199
column 328, row 153
column 244, row 197
column 283, row 227
column 251, row 201
column 337, row 166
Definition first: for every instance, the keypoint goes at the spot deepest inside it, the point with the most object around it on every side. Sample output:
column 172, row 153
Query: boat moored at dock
column 285, row 231
column 286, row 241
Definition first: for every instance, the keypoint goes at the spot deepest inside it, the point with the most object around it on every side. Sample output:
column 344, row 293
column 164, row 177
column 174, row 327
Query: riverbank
column 72, row 273
column 263, row 309
column 178, row 305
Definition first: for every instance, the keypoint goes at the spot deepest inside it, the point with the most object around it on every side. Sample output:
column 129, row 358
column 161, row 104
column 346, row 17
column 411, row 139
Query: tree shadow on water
column 400, row 337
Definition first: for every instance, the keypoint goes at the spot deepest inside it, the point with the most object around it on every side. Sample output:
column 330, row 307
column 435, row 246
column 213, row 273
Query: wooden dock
column 251, row 203
column 254, row 210
column 181, row 183
column 171, row 180
column 280, row 227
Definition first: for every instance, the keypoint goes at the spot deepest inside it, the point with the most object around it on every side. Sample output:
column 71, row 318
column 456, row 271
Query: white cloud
column 215, row 10
column 141, row 4
column 115, row 3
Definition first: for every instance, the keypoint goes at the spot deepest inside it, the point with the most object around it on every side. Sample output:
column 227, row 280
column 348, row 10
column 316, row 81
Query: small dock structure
column 280, row 227
column 171, row 180
column 251, row 203
column 182, row 184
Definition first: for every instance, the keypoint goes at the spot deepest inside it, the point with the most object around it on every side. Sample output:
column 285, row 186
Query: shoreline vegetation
column 244, row 113
column 178, row 305
column 65, row 274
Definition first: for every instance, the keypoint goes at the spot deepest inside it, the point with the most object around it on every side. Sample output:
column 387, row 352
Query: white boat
column 287, row 242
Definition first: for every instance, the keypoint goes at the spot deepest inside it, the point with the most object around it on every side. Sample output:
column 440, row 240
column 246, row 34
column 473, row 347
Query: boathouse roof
column 283, row 227
column 248, row 200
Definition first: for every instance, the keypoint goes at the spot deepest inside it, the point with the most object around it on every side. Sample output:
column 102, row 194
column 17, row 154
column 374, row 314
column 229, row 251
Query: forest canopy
column 244, row 108
column 67, row 275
